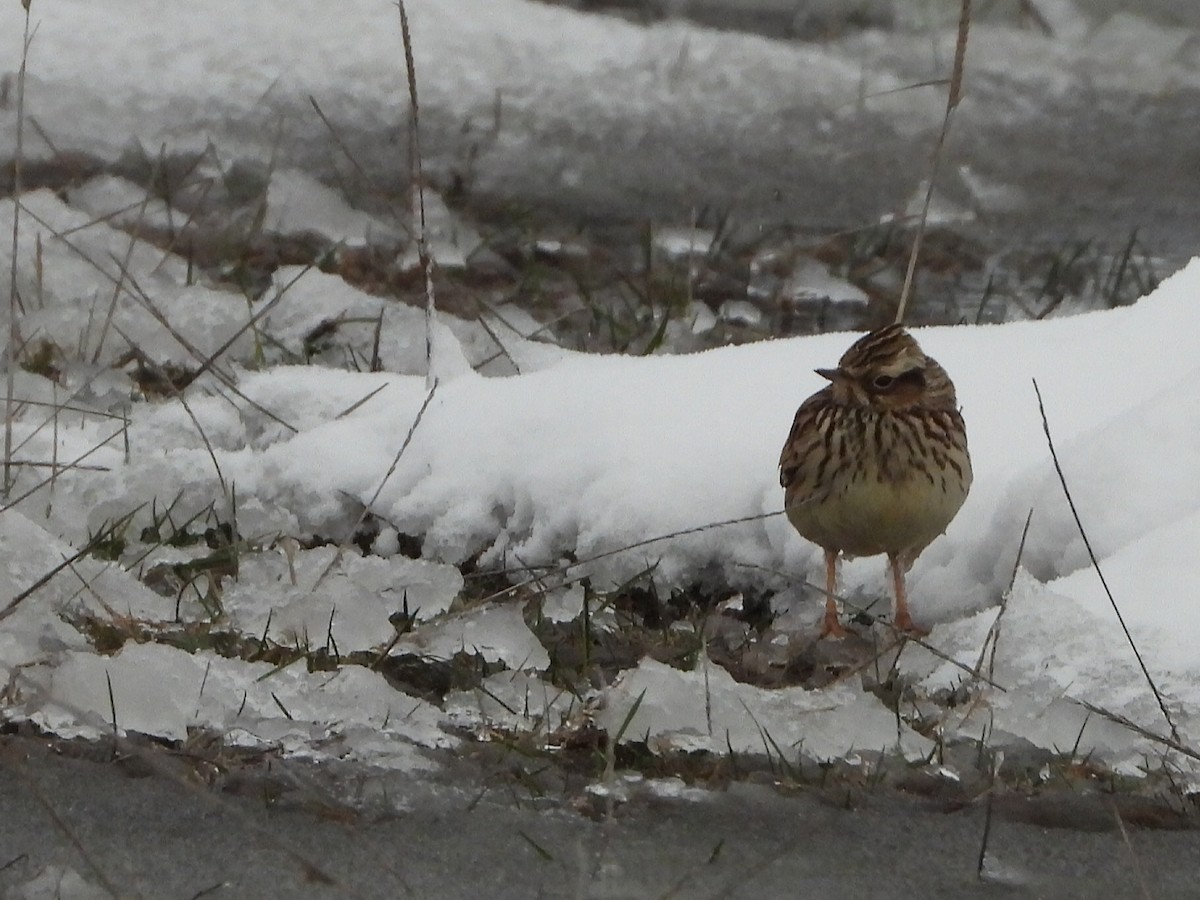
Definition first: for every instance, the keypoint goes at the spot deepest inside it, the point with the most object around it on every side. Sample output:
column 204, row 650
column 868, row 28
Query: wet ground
column 100, row 827
column 1089, row 161
column 1042, row 177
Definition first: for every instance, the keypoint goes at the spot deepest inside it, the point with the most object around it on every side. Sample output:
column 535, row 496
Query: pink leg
column 900, row 615
column 832, row 626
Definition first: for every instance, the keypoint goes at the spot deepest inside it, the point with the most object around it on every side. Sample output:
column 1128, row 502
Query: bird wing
column 806, row 452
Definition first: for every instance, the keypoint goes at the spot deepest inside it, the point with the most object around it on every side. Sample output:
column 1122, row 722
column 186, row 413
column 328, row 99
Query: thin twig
column 417, row 176
column 135, row 290
column 359, row 402
column 1171, row 743
column 87, row 548
column 952, row 99
column 367, row 507
column 179, row 395
column 14, row 333
column 981, row 863
column 1062, row 480
column 1137, row 863
column 14, row 501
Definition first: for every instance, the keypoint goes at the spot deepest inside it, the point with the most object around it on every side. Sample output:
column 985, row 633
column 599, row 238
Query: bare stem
column 14, row 332
column 954, row 95
column 1062, row 480
column 417, row 178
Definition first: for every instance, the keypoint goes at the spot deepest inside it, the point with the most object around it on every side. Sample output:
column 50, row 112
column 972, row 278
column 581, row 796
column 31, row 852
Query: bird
column 876, row 462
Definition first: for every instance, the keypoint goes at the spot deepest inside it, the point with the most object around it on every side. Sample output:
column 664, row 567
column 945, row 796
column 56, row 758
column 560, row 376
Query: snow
column 624, row 465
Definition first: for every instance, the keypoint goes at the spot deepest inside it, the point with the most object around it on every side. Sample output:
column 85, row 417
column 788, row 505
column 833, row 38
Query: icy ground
column 205, row 511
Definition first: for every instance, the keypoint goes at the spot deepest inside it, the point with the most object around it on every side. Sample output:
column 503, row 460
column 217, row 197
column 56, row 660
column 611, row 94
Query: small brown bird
column 876, row 462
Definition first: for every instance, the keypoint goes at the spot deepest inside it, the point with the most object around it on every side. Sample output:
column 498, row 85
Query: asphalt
column 149, row 826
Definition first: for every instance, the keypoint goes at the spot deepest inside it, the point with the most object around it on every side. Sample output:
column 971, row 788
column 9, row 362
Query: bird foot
column 833, row 630
column 906, row 625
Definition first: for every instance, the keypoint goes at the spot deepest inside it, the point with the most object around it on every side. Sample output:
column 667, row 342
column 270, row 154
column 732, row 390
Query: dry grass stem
column 952, row 100
column 1062, row 480
column 370, row 504
column 14, row 305
column 417, row 180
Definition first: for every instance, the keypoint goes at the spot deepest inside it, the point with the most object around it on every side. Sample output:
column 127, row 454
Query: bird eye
column 883, row 382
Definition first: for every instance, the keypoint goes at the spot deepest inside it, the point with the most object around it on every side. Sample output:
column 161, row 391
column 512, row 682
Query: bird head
column 887, row 370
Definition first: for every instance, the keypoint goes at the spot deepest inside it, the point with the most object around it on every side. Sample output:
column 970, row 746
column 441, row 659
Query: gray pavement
column 129, row 829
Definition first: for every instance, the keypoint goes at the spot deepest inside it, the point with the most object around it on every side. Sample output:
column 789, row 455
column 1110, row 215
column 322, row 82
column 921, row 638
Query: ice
column 707, row 709
column 531, row 466
column 122, row 203
column 222, row 71
column 320, row 317
column 448, row 240
column 34, row 629
column 494, row 464
column 516, row 701
column 163, row 691
column 625, row 786
column 675, row 789
column 352, row 602
column 298, row 205
column 1041, row 682
column 103, row 292
column 496, row 633
column 155, row 690
column 996, row 871
column 80, row 299
column 942, row 209
column 564, row 605
column 305, row 301
column 988, row 195
column 740, row 312
column 700, row 318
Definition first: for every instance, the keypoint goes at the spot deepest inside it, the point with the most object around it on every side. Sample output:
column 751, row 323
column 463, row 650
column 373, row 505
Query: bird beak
column 830, row 374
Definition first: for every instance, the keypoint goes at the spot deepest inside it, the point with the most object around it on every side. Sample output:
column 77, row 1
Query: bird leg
column 832, row 626
column 900, row 615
